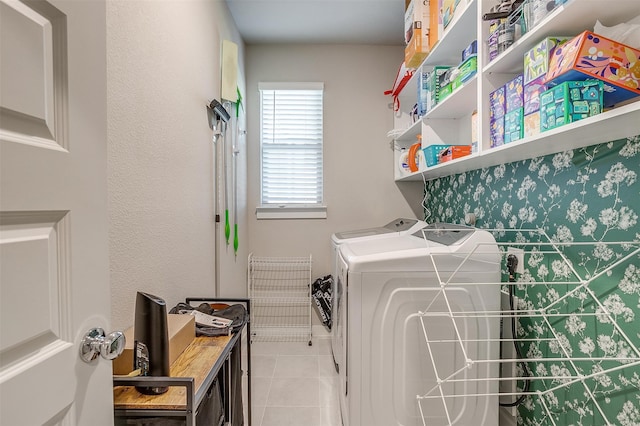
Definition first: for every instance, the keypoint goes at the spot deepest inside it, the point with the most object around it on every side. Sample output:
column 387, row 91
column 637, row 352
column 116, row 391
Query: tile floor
column 294, row 384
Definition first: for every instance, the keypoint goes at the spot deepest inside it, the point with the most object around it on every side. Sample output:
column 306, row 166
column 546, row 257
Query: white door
column 53, row 214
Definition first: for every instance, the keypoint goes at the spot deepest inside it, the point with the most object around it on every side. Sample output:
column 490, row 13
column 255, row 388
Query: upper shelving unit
column 447, row 50
column 618, row 123
column 569, row 19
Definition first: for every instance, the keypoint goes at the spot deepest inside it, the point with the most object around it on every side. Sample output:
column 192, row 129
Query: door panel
column 53, row 212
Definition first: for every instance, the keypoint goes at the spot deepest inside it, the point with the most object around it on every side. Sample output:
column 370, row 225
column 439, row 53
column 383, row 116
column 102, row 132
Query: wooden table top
column 196, row 361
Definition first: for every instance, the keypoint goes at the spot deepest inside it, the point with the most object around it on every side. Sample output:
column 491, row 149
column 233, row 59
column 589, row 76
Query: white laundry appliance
column 406, row 332
column 397, row 227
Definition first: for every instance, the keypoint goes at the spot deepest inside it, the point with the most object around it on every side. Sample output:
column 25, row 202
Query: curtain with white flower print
column 589, row 195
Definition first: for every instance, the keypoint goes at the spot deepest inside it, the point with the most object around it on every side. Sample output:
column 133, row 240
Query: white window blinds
column 291, row 144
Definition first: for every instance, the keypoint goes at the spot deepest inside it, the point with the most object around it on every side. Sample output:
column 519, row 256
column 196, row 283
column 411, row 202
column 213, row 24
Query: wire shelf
column 280, row 293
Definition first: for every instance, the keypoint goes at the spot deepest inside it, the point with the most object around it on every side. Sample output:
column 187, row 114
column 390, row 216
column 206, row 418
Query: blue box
column 513, row 125
column 514, row 94
column 432, row 153
column 423, row 92
column 472, row 49
column 496, row 131
column 497, row 103
column 570, row 101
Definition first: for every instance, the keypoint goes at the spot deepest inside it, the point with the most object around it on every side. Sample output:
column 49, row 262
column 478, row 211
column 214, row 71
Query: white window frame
column 293, row 210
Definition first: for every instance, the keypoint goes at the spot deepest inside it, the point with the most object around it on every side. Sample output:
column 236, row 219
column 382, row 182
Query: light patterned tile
column 295, row 392
column 291, row 416
column 297, row 348
column 326, row 366
column 296, row 366
column 324, row 346
column 263, row 365
column 329, row 391
column 265, row 348
column 260, row 391
column 330, row 416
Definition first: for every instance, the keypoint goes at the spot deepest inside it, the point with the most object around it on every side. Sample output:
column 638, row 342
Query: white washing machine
column 397, row 227
column 393, row 303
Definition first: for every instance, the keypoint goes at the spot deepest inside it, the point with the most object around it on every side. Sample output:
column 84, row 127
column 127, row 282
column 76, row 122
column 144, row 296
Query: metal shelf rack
column 280, row 292
column 573, row 330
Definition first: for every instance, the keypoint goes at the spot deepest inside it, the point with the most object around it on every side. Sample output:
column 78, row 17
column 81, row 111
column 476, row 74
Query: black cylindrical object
column 150, row 330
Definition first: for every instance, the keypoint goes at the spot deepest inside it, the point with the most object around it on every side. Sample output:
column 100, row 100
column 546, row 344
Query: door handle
column 95, row 343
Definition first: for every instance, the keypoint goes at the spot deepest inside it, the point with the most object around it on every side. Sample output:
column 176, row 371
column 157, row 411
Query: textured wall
column 163, row 67
column 359, row 190
column 589, row 196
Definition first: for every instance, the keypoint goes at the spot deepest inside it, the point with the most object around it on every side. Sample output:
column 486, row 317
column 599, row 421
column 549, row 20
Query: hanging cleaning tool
column 228, row 92
column 235, row 153
column 225, row 170
column 217, row 117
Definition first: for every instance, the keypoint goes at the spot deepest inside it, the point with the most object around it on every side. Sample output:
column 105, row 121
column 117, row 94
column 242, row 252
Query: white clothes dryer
column 397, row 227
column 400, row 340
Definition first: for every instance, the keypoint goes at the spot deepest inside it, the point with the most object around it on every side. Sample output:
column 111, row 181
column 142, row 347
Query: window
column 291, row 151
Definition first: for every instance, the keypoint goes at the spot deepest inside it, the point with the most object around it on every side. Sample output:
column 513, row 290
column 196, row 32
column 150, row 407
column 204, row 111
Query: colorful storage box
column 423, row 92
column 470, row 50
column 496, row 131
column 433, row 86
column 449, row 8
column 432, row 154
column 514, row 99
column 536, row 60
column 466, row 70
column 532, row 124
column 591, row 56
column 570, row 101
column 513, row 125
column 497, row 103
column 454, row 151
column 531, row 95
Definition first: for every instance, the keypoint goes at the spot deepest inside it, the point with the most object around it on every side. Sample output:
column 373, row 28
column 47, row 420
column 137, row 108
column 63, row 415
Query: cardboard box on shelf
column 417, row 21
column 454, row 151
column 435, row 22
column 591, row 56
column 182, row 330
column 415, row 51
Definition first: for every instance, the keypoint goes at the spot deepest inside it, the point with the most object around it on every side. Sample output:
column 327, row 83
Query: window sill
column 289, row 212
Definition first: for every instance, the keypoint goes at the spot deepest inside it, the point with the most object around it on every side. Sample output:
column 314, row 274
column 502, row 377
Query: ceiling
column 378, row 22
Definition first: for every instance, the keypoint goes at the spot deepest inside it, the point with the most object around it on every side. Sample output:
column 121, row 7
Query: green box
column 433, row 86
column 445, row 91
column 514, row 125
column 570, row 101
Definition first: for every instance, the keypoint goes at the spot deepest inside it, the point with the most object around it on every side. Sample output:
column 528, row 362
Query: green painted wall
column 589, row 195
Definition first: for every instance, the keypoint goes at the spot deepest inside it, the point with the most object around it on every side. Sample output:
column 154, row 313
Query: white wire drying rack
column 280, row 295
column 552, row 316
